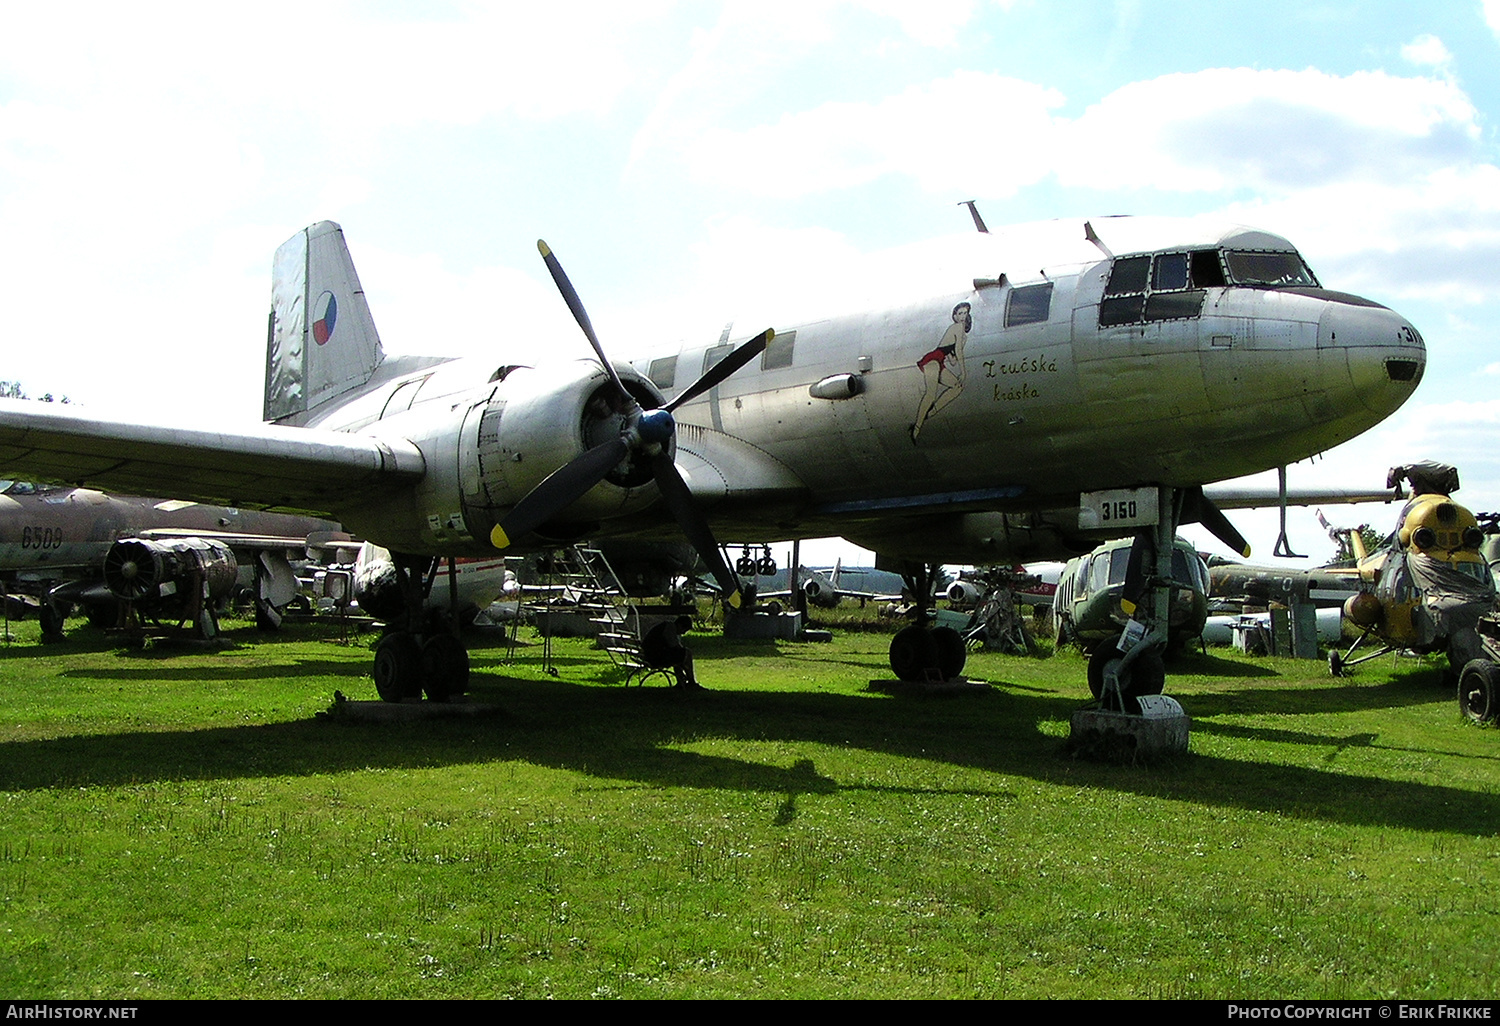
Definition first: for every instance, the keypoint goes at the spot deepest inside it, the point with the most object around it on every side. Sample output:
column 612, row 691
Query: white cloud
column 1427, row 51
column 931, row 23
column 1272, row 132
column 971, row 131
column 331, row 62
column 1436, row 236
column 1491, row 10
column 1268, row 131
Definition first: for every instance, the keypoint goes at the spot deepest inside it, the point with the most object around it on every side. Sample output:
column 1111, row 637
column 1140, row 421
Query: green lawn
column 181, row 823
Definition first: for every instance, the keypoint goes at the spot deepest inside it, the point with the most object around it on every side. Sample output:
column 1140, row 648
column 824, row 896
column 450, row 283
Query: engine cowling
column 964, row 594
column 820, row 593
column 531, row 423
column 169, row 575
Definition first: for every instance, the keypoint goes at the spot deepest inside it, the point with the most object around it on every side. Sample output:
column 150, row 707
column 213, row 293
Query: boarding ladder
column 592, row 588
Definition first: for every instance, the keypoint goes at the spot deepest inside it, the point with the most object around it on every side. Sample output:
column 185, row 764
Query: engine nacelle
column 170, row 575
column 507, row 440
column 964, row 595
column 820, row 592
column 377, row 589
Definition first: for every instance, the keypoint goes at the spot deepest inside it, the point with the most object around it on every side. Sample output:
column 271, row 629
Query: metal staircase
column 590, row 587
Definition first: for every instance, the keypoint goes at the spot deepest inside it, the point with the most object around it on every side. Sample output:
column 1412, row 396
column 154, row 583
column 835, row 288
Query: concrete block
column 1162, row 729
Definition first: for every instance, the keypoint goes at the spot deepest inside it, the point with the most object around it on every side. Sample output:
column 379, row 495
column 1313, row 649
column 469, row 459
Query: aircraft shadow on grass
column 635, row 737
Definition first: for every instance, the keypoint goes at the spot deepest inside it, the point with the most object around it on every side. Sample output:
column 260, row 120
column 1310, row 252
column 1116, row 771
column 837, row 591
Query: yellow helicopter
column 1427, row 586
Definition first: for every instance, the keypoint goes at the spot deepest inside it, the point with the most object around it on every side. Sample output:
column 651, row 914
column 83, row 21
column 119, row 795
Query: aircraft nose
column 1385, row 352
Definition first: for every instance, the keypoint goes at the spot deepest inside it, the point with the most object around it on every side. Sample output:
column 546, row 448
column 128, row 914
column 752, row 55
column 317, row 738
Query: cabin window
column 1099, row 574
column 1478, row 571
column 663, row 373
column 714, row 356
column 1119, row 565
column 1252, row 268
column 1030, row 304
column 402, row 396
column 779, row 351
column 1080, row 580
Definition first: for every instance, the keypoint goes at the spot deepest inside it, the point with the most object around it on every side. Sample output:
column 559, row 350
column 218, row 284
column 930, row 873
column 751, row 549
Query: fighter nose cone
column 1385, row 353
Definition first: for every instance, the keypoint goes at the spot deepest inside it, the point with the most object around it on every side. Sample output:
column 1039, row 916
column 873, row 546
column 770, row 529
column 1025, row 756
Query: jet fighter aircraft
column 77, row 546
column 1084, row 380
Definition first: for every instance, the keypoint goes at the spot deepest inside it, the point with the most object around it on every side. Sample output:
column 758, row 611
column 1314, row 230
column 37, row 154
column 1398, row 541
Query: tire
column 913, row 653
column 104, row 615
column 1147, row 676
column 1479, row 690
column 398, row 667
column 445, row 667
column 267, row 616
column 52, row 619
column 952, row 653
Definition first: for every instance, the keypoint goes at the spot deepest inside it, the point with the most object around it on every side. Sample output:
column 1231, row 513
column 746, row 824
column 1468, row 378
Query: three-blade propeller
column 645, row 432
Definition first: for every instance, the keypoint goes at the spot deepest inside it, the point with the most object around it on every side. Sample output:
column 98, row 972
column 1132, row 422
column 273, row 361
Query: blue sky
column 690, row 161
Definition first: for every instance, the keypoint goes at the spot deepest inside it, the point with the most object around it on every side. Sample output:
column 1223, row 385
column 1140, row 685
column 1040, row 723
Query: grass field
column 180, row 823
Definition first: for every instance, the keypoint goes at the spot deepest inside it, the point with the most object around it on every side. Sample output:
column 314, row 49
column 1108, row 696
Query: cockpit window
column 1170, row 271
column 1250, row 268
column 1127, row 276
column 1163, row 287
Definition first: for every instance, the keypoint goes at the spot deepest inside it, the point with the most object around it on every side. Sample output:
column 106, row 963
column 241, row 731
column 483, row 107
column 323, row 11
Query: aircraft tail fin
column 321, row 341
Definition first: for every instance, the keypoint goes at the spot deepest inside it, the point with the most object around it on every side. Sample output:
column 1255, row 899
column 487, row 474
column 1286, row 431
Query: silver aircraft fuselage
column 1168, row 352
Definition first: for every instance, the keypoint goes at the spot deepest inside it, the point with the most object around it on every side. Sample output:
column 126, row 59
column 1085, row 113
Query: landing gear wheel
column 1147, row 675
column 267, row 616
column 913, row 653
column 104, row 615
column 952, row 653
column 445, row 667
column 398, row 667
column 1335, row 663
column 52, row 620
column 1479, row 690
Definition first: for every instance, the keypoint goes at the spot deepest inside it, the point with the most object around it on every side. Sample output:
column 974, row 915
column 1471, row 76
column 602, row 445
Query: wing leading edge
column 299, row 470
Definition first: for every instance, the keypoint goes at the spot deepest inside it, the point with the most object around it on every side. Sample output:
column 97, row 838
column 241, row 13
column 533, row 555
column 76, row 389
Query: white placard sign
column 1117, row 507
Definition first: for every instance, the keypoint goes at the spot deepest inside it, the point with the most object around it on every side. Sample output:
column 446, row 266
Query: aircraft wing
column 299, row 470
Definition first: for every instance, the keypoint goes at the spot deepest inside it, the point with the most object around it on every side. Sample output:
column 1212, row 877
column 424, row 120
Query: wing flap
column 298, row 470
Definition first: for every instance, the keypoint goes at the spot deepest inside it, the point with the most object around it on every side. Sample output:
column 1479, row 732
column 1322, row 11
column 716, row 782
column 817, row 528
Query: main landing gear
column 421, row 652
column 922, row 652
column 1124, row 671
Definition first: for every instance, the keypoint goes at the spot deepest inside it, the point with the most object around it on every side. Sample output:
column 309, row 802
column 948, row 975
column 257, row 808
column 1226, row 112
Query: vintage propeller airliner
column 1086, row 383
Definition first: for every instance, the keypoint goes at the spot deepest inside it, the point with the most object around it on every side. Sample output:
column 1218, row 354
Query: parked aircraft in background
column 1039, row 585
column 1427, row 586
column 1231, row 583
column 1087, row 609
column 827, row 586
column 1086, row 380
column 76, row 546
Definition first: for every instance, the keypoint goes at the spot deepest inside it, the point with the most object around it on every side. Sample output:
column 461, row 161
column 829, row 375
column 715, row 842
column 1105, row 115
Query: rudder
column 321, row 341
